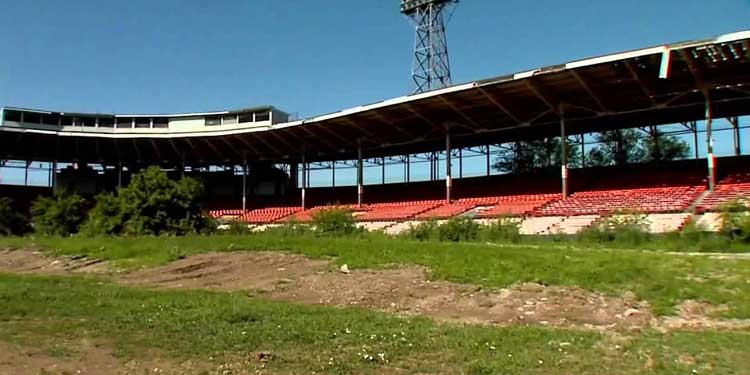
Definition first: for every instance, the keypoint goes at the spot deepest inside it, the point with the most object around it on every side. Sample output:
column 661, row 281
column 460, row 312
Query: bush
column 502, row 230
column 459, row 229
column 12, row 223
column 735, row 221
column 424, row 231
column 152, row 204
column 625, row 227
column 105, row 218
column 335, row 221
column 291, row 228
column 61, row 215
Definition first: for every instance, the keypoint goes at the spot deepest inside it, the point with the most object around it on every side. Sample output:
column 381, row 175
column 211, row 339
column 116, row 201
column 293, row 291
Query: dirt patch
column 404, row 291
column 262, row 271
column 699, row 315
column 27, row 261
column 84, row 357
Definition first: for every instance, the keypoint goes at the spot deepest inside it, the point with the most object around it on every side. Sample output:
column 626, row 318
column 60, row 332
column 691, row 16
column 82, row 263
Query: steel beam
column 448, row 179
column 563, row 153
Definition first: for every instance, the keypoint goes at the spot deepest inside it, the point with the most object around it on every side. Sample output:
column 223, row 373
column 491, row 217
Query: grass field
column 48, row 311
column 663, row 279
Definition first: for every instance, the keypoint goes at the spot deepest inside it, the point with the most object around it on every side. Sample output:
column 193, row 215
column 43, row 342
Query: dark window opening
column 32, row 118
column 246, row 117
column 213, row 121
column 51, row 119
column 13, row 116
column 124, row 123
column 142, row 123
column 230, row 120
column 161, row 123
column 262, row 116
column 66, row 121
column 106, row 122
column 88, row 121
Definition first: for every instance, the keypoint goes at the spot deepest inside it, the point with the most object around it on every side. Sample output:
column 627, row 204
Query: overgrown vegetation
column 12, row 223
column 334, row 221
column 230, row 327
column 152, row 204
column 60, row 215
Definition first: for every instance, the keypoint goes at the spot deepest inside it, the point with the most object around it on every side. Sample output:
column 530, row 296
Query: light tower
column 431, row 68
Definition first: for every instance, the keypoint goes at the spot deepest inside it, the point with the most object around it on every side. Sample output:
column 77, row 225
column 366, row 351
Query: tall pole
column 119, row 174
column 244, row 187
column 488, row 160
column 333, row 173
column 408, row 168
column 563, row 153
column 709, row 145
column 460, row 163
column 735, row 121
column 360, row 188
column 448, row 180
column 304, row 180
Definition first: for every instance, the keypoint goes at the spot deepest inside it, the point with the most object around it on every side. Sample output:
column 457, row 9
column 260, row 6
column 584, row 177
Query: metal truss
column 431, row 66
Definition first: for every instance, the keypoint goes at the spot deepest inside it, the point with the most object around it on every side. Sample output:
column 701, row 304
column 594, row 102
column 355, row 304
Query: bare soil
column 407, row 290
column 85, row 357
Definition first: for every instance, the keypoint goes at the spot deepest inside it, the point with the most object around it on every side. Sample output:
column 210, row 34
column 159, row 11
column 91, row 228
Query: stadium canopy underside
column 653, row 86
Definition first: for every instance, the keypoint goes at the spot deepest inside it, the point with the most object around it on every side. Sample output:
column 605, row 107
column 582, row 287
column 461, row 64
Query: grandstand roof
column 614, row 91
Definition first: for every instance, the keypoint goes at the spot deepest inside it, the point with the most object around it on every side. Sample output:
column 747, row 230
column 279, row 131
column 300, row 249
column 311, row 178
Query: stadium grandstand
column 256, row 162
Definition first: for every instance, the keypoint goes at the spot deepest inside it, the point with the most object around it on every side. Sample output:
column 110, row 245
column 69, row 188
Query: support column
column 709, row 146
column 26, row 173
column 304, row 181
column 54, row 175
column 382, row 171
column 408, row 168
column 488, row 160
column 563, row 153
column 360, row 188
column 460, row 163
column 333, row 174
column 735, row 121
column 244, row 187
column 119, row 175
column 448, row 179
column 583, row 150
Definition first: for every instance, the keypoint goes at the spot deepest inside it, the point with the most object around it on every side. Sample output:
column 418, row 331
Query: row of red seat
column 735, row 186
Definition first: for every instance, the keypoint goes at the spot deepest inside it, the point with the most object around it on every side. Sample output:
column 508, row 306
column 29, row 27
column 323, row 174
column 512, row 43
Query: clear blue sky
column 305, row 57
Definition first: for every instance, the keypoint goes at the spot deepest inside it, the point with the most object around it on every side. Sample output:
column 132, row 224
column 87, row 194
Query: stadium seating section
column 666, row 198
column 735, row 186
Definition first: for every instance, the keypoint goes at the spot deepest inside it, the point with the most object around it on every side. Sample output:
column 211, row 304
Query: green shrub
column 12, row 223
column 61, row 215
column 624, row 227
column 501, row 230
column 291, row 228
column 334, row 221
column 105, row 218
column 735, row 221
column 237, row 227
column 424, row 231
column 459, row 229
column 152, row 204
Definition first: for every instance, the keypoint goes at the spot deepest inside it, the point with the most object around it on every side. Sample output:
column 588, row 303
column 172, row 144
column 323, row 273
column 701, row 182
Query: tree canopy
column 614, row 147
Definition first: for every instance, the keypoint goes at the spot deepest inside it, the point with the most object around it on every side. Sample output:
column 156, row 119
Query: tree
column 151, row 204
column 61, row 215
column 529, row 155
column 663, row 147
column 629, row 146
column 12, row 223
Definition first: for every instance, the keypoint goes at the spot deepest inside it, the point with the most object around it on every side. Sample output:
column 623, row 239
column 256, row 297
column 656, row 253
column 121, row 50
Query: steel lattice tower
column 431, row 67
